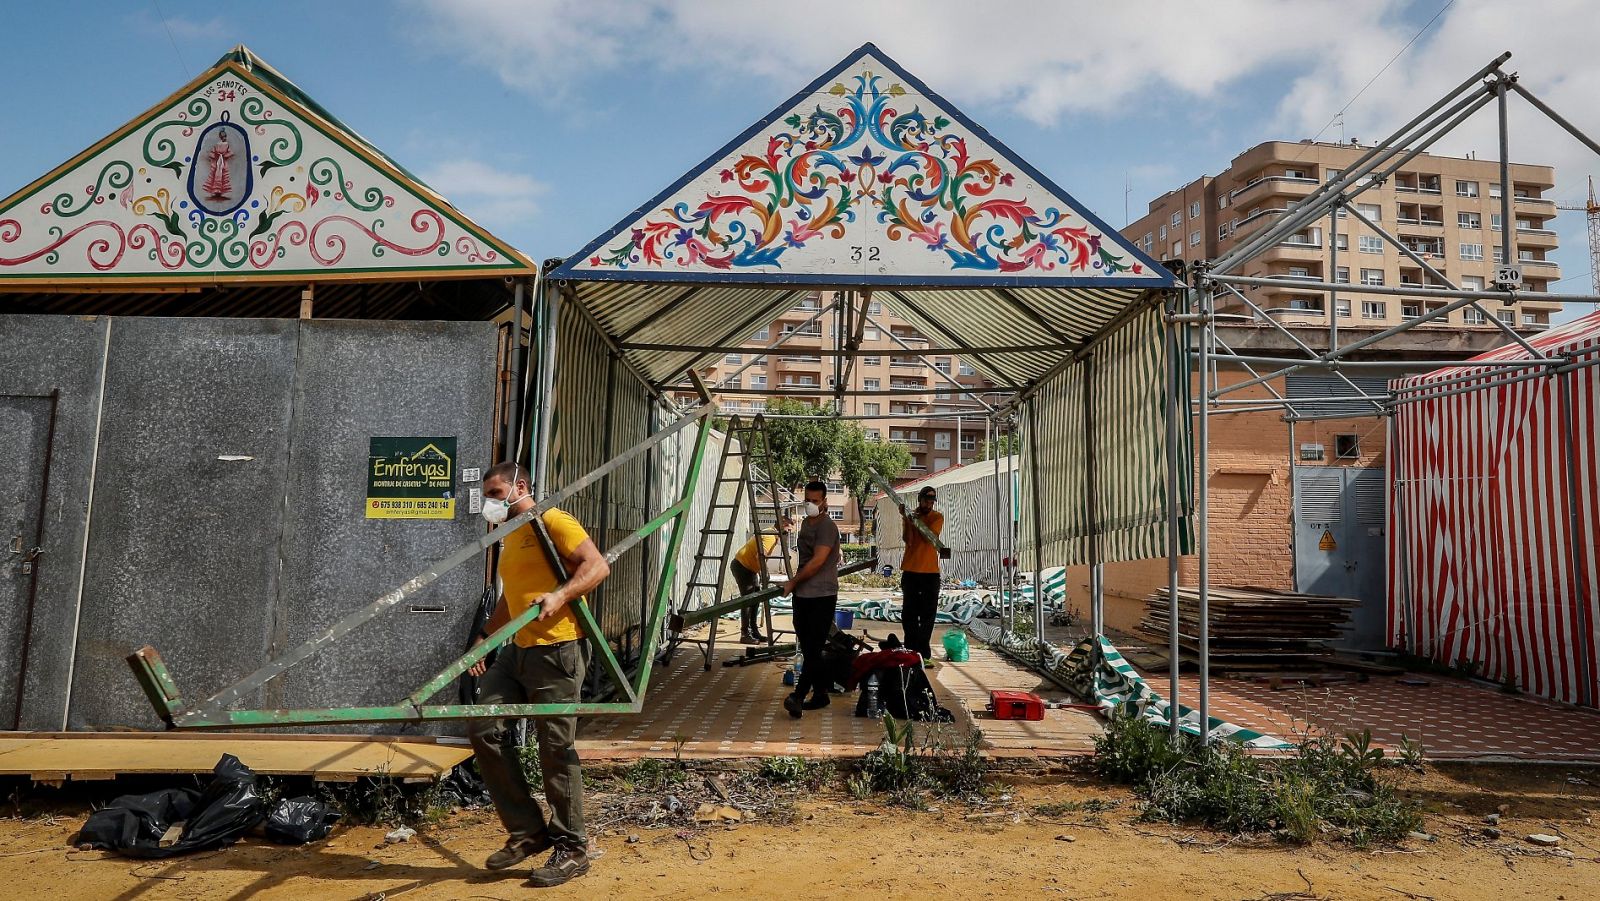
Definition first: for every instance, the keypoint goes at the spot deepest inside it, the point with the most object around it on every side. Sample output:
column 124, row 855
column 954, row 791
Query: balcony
column 1430, row 223
column 1278, row 182
column 903, row 362
column 1544, row 202
column 901, row 439
column 1552, row 264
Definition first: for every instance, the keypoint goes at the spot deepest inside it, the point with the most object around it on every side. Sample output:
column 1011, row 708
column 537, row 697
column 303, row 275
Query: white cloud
column 496, row 198
column 1042, row 59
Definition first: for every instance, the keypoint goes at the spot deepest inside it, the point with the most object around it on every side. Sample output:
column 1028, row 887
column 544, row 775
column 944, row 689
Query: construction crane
column 1592, row 210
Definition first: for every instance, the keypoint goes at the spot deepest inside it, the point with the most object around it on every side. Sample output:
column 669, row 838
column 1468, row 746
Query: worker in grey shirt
column 815, row 590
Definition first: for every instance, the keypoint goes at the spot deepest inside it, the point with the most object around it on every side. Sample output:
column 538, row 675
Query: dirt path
column 838, row 848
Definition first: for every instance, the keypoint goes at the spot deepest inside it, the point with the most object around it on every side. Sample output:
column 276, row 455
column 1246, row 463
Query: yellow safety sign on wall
column 1327, row 543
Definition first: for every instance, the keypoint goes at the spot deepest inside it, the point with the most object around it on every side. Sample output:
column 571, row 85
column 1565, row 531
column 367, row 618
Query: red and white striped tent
column 1494, row 507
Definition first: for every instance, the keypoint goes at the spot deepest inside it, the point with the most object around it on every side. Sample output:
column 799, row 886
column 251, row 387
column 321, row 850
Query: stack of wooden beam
column 1253, row 628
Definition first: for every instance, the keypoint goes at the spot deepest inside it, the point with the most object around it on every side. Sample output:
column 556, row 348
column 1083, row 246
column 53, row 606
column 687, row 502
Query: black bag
column 838, row 656
column 216, row 817
column 296, row 821
column 905, row 693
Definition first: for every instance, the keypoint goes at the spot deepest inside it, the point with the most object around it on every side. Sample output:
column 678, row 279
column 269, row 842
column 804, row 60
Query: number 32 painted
column 856, row 253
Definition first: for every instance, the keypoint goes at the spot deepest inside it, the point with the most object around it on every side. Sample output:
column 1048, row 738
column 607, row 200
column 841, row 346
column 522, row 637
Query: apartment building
column 1445, row 209
column 925, row 420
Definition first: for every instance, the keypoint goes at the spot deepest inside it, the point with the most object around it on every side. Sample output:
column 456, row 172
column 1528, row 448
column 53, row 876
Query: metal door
column 26, row 423
column 1339, row 546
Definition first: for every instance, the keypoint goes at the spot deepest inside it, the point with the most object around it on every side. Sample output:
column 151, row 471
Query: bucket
column 844, row 619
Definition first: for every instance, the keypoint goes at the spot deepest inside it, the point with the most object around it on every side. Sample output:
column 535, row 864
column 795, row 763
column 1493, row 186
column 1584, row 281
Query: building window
column 1163, row 234
column 836, row 515
column 942, row 364
column 1530, row 319
column 1472, row 316
column 1410, row 310
column 1222, row 231
column 1177, row 219
column 1194, row 238
column 1374, row 309
column 1342, row 242
column 1469, row 220
column 1494, row 191
column 1371, row 244
column 1466, row 189
column 1341, row 275
column 1194, row 210
column 1222, row 201
column 872, row 409
column 941, row 440
column 1343, row 307
column 1177, row 249
column 1372, row 276
column 1347, row 447
column 1509, row 317
column 871, row 361
column 1472, row 283
column 1306, row 303
column 733, row 358
column 1499, row 254
column 969, row 442
column 1149, row 240
column 875, row 308
column 735, row 382
column 871, row 384
column 1332, row 174
column 1472, row 251
column 966, row 369
column 1494, row 221
column 870, row 334
column 873, row 434
column 761, row 334
column 758, row 381
column 1371, row 211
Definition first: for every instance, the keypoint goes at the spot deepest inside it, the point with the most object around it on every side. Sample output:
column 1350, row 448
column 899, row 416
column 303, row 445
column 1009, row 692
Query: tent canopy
column 864, row 180
column 237, row 178
column 1577, row 339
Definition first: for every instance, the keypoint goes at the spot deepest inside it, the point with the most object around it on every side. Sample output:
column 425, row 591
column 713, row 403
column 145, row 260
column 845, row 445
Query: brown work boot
column 516, row 852
column 564, row 865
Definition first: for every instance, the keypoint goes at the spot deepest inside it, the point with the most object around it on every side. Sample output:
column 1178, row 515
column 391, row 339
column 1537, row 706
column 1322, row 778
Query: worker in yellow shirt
column 749, row 568
column 919, row 574
column 542, row 664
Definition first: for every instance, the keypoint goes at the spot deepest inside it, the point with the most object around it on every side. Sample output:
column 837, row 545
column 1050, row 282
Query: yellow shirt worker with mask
column 543, row 664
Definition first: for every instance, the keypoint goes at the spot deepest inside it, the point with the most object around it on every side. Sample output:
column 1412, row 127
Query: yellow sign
column 1327, row 543
column 411, row 478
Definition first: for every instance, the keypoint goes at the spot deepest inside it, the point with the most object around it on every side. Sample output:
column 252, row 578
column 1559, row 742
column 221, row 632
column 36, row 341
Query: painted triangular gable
column 866, row 176
column 233, row 179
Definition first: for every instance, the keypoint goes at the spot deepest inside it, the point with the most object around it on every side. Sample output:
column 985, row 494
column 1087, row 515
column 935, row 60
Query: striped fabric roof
column 1578, row 338
column 865, row 180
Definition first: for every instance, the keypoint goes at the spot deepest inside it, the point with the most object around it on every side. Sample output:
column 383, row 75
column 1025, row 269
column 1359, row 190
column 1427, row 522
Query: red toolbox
column 1016, row 705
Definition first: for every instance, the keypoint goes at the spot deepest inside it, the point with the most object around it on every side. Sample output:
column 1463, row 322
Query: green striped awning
column 1097, row 432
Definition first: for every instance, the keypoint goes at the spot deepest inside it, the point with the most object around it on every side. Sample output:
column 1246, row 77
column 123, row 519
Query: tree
column 859, row 455
column 1004, row 446
column 802, row 449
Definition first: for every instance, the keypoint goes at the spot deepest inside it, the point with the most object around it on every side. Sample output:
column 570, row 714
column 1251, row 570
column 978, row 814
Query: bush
column 783, row 770
column 916, row 759
column 1328, row 787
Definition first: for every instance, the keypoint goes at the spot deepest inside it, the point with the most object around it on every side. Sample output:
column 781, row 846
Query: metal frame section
column 161, row 688
column 922, row 527
column 1488, row 85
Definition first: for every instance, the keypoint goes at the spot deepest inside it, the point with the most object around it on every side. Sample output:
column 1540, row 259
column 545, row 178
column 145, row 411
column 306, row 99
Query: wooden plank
column 81, row 756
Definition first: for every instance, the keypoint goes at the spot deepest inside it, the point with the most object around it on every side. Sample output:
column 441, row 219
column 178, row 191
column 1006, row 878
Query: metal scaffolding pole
column 1204, row 302
column 1312, row 206
column 1508, row 222
column 1038, row 533
column 1177, row 381
column 1333, row 272
column 547, row 390
column 1091, row 504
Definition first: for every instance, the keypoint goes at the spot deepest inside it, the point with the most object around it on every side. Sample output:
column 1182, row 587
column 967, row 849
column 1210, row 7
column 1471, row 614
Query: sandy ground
column 833, row 847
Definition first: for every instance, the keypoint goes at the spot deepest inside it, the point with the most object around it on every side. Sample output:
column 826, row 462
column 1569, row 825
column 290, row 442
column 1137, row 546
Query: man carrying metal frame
column 543, row 663
column 919, row 573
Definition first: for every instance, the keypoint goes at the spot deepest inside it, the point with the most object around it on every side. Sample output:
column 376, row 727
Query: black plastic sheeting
column 296, row 821
column 215, row 817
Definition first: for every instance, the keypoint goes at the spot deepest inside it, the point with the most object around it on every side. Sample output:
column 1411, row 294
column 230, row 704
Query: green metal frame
column 162, row 690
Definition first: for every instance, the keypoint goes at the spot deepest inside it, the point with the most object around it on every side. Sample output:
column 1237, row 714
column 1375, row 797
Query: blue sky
column 548, row 120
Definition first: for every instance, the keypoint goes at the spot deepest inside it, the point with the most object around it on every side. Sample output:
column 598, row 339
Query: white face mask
column 495, row 510
column 812, row 509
